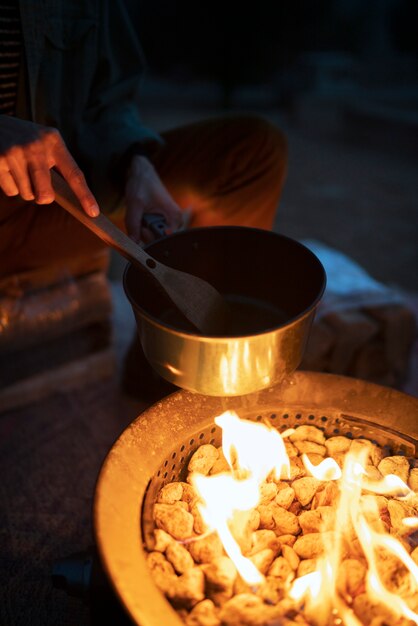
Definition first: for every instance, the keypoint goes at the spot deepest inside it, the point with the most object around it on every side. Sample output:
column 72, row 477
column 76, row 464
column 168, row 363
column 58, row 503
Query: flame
column 389, row 485
column 310, row 584
column 410, row 522
column 255, row 452
column 328, row 469
column 259, row 449
column 371, row 541
column 217, row 511
column 320, row 590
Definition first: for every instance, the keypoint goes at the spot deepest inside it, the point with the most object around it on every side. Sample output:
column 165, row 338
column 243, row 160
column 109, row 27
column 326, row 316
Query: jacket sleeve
column 111, row 125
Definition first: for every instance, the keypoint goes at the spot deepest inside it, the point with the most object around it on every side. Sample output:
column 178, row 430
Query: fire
column 389, row 485
column 253, row 451
column 352, row 518
column 410, row 522
column 328, row 469
column 256, row 453
column 236, row 495
column 259, row 450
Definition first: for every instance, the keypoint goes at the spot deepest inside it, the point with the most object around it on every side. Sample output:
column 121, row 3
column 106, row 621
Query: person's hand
column 27, row 153
column 145, row 193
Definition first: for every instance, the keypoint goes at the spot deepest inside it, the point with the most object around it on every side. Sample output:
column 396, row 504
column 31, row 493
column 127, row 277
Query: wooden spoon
column 196, row 299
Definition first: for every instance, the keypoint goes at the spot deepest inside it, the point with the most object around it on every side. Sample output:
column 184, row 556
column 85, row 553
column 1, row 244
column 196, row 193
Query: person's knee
column 268, row 140
column 263, row 153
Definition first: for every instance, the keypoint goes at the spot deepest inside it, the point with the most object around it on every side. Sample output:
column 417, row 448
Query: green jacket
column 85, row 66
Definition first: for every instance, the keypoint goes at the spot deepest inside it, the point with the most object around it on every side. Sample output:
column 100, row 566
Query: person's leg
column 45, row 241
column 227, row 170
column 45, row 255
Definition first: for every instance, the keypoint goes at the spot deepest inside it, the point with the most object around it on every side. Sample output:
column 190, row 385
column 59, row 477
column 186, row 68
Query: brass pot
column 274, row 285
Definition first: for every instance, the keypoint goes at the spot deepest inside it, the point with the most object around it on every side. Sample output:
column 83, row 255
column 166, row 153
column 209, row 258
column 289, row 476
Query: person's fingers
column 133, row 219
column 8, row 184
column 74, row 176
column 164, row 203
column 41, row 179
column 18, row 168
column 174, row 218
column 39, row 173
column 146, row 236
column 135, row 207
column 145, row 193
column 186, row 217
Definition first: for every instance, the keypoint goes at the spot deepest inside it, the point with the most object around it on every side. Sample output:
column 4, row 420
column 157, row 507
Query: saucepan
column 253, row 295
column 272, row 284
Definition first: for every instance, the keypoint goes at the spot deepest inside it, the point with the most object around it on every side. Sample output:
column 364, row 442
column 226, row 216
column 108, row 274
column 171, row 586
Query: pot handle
column 156, row 223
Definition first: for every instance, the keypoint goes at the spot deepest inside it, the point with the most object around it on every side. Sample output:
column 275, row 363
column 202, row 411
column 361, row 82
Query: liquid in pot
column 247, row 316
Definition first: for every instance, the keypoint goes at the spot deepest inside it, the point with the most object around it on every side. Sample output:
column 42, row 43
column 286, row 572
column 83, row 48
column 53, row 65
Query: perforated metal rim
column 174, row 465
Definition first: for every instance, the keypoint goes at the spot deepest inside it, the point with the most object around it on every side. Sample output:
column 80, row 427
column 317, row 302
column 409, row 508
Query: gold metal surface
column 175, row 423
column 248, row 265
column 224, row 366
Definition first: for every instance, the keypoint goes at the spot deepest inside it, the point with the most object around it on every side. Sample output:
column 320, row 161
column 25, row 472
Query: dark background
column 340, row 77
column 250, row 43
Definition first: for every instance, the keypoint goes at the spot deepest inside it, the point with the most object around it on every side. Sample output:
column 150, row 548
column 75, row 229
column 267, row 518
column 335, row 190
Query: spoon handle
column 101, row 225
column 196, row 299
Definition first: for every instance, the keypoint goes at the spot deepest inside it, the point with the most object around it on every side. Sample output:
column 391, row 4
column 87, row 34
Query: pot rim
column 291, row 321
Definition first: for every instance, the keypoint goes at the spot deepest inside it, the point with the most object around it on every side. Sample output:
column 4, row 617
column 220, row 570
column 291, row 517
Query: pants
column 227, row 170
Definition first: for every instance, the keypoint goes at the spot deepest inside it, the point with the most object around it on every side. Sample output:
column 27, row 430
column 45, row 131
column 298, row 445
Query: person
column 70, row 80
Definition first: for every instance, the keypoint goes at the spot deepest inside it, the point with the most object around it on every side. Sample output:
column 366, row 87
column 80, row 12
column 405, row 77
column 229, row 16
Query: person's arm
column 27, row 152
column 145, row 193
column 111, row 125
column 113, row 141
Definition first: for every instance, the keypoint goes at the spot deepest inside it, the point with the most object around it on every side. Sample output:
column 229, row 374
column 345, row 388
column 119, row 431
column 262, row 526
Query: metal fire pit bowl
column 156, row 447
